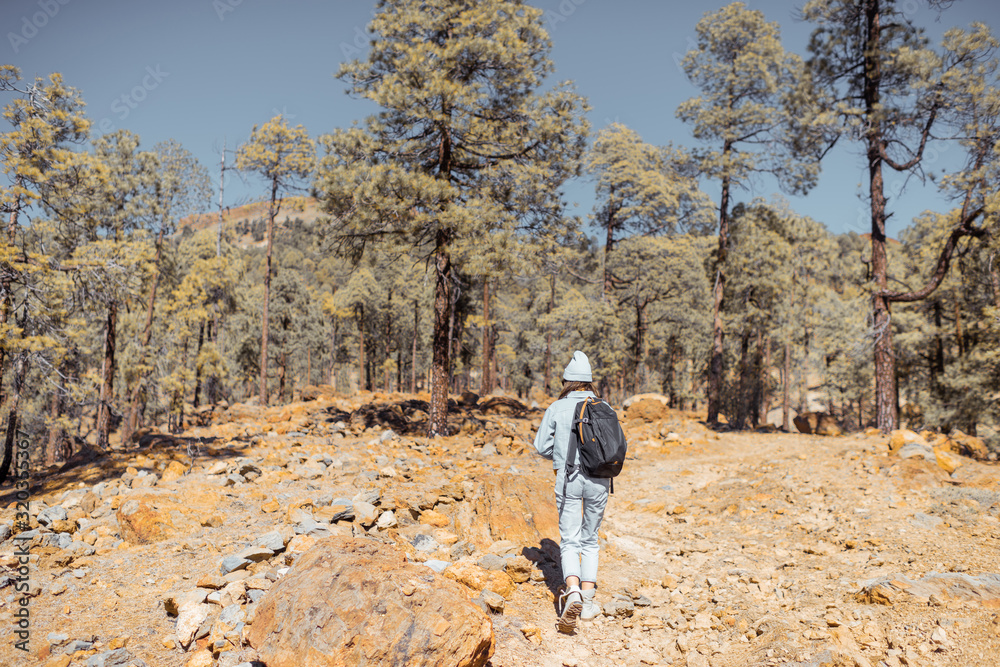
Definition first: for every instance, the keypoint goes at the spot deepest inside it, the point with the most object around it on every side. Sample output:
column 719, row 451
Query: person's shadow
column 546, row 558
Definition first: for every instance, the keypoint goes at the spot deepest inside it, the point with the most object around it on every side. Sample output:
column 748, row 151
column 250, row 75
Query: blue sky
column 204, row 71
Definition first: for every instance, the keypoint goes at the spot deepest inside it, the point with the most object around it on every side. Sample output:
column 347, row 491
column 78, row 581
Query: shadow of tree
column 90, row 466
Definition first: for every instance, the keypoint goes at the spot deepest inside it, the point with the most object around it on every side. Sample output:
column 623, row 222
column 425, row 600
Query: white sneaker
column 591, row 609
column 572, row 606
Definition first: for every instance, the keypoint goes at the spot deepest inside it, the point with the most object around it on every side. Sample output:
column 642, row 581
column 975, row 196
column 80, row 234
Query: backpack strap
column 572, row 451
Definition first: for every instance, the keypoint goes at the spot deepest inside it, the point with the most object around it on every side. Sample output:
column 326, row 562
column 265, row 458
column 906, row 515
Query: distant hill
column 249, row 221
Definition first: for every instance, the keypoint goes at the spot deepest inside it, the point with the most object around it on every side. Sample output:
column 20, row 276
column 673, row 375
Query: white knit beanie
column 578, row 369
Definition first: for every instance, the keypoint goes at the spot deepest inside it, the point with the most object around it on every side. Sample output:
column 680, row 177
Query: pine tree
column 183, row 188
column 748, row 82
column 880, row 85
column 45, row 118
column 282, row 156
column 463, row 149
column 643, row 189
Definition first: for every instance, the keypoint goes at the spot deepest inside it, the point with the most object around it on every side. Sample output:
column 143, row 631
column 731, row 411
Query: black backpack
column 599, row 439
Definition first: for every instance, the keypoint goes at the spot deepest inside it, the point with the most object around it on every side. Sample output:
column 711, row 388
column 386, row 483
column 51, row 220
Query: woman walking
column 580, row 499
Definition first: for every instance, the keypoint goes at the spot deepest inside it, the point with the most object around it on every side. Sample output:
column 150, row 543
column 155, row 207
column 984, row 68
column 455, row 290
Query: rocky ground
column 719, row 549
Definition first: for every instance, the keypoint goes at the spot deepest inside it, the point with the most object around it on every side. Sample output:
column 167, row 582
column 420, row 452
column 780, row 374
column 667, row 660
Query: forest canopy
column 428, row 248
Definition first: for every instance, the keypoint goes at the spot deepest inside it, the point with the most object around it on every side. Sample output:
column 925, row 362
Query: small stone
column 425, row 543
column 117, row 658
column 77, row 645
column 494, row 601
column 213, row 581
column 232, row 563
column 51, row 514
column 387, row 520
column 273, row 541
column 174, row 471
column 532, row 633
column 174, row 602
column 365, row 513
column 437, row 565
column 342, row 509
column 255, row 554
column 432, row 518
column 492, row 562
column 270, row 507
column 217, row 468
column 519, row 568
column 202, row 658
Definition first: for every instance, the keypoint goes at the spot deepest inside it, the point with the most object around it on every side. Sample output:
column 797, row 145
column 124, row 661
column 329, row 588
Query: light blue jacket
column 553, row 437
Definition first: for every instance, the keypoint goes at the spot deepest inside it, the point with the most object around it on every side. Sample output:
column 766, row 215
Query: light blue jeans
column 580, row 514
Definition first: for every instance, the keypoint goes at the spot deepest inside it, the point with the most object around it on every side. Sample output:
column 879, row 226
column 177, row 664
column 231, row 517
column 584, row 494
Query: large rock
column 480, row 579
column 983, row 589
column 647, row 409
column 509, row 507
column 357, row 601
column 818, row 423
column 660, row 398
column 968, row 445
column 144, row 519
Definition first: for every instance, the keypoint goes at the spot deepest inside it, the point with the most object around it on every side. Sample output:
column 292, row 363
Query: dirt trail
column 720, row 549
column 749, row 550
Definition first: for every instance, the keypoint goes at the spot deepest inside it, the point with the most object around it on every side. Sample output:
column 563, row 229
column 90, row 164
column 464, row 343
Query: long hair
column 574, row 385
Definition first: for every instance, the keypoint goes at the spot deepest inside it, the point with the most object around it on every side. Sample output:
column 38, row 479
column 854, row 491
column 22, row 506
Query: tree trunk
column 548, row 335
column 804, row 374
column 132, row 419
column 399, row 369
column 56, row 431
column 108, row 378
column 486, row 383
column 359, row 311
column 222, row 189
column 886, row 415
column 937, row 361
column 742, row 394
column 609, row 241
column 670, row 382
column 282, row 375
column 759, row 381
column 178, row 398
column 959, row 339
column 197, row 367
column 20, row 372
column 413, row 363
column 387, row 342
column 995, row 279
column 441, row 346
column 638, row 375
column 5, row 308
column 786, row 379
column 272, row 213
column 333, row 354
column 715, row 365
